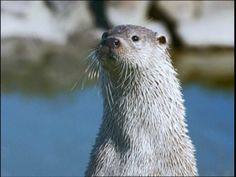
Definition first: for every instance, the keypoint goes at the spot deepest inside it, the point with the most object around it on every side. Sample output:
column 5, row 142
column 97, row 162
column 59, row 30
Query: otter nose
column 111, row 42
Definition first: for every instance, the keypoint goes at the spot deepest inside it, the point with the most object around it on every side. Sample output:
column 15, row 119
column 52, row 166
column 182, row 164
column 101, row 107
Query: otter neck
column 147, row 102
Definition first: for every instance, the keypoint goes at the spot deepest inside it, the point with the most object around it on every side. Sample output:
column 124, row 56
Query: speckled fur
column 143, row 131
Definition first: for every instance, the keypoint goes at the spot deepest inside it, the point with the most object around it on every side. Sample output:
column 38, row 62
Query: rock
column 35, row 19
column 214, row 68
column 133, row 12
column 29, row 29
column 202, row 23
column 73, row 16
column 213, row 30
column 128, row 12
column 29, row 19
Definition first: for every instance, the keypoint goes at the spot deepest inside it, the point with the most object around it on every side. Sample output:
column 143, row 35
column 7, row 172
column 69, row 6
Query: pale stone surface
column 34, row 19
column 213, row 30
column 29, row 19
column 29, row 29
column 203, row 23
column 135, row 13
column 71, row 24
column 128, row 12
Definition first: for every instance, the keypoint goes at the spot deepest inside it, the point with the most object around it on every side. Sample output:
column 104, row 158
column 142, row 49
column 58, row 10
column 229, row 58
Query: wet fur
column 143, row 131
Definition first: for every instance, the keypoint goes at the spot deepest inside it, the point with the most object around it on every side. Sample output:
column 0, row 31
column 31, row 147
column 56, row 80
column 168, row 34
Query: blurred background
column 47, row 129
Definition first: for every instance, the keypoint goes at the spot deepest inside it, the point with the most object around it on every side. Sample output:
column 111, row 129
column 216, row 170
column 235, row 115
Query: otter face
column 135, row 46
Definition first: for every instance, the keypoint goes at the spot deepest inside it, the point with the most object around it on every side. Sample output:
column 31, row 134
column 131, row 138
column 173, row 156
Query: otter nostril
column 116, row 43
column 111, row 42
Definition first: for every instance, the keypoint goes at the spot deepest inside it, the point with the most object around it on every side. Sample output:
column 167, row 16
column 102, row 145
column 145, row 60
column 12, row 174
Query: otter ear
column 161, row 39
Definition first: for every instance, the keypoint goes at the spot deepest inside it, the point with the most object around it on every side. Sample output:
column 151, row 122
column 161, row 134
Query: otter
column 143, row 130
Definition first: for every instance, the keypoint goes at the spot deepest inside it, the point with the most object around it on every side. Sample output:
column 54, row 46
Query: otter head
column 135, row 46
column 128, row 48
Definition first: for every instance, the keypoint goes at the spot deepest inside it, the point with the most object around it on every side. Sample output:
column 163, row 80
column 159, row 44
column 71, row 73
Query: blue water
column 53, row 136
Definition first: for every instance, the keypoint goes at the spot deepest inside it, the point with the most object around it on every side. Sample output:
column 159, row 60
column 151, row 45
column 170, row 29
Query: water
column 53, row 136
column 47, row 130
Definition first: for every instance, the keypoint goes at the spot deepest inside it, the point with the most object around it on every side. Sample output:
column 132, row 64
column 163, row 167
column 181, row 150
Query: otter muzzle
column 111, row 43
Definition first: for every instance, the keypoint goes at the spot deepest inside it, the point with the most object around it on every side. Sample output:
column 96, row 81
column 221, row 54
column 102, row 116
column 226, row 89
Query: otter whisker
column 96, row 74
column 93, row 68
column 109, row 96
column 110, row 92
column 127, row 79
column 124, row 75
column 81, row 81
column 126, row 71
column 90, row 65
column 90, row 70
column 122, row 72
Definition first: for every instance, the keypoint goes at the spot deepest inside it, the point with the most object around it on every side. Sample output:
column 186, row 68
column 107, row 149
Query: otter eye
column 135, row 38
column 104, row 35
